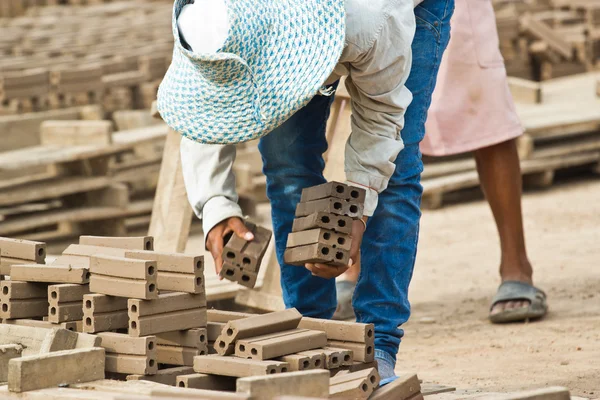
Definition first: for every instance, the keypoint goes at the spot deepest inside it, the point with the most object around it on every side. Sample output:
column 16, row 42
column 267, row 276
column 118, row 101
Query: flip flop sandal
column 519, row 291
column 345, row 291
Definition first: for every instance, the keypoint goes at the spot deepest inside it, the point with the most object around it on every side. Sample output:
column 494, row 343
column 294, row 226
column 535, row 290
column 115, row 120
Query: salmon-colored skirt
column 472, row 106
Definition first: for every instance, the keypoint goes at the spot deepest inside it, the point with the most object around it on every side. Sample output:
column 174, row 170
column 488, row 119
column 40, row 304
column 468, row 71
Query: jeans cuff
column 385, row 356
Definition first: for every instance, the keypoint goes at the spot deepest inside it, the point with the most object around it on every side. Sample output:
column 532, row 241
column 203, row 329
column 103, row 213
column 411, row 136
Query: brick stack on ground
column 167, row 339
column 242, row 259
column 323, row 224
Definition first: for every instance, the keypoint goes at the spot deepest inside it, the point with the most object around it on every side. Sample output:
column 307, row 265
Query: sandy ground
column 448, row 339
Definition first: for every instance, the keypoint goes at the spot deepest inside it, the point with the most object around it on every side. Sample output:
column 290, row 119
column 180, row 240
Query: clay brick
column 177, row 355
column 262, row 324
column 319, row 235
column 303, row 383
column 7, row 353
column 65, row 312
column 120, row 267
column 71, row 326
column 135, row 288
column 171, row 262
column 196, row 338
column 333, row 189
column 166, row 376
column 346, row 356
column 189, row 283
column 324, row 220
column 23, row 250
column 236, row 274
column 15, row 290
column 129, row 243
column 297, row 362
column 213, row 329
column 332, row 358
column 206, row 382
column 166, row 302
column 67, row 293
column 237, row 367
column 403, row 388
column 125, row 344
column 167, row 322
column 222, row 316
column 341, row 330
column 6, row 263
column 316, row 253
column 129, row 364
column 89, row 251
column 12, row 309
column 104, row 322
column 72, row 261
column 58, row 340
column 256, row 326
column 213, row 350
column 277, row 345
column 49, row 273
column 359, row 385
column 195, row 394
column 362, row 352
column 69, row 366
column 331, row 205
column 247, row 255
column 100, row 303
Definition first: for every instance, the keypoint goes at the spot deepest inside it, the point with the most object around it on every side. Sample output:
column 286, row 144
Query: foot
column 385, row 367
column 522, row 273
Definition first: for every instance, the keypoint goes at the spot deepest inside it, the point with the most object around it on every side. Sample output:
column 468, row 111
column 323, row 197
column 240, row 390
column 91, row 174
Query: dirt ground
column 449, row 340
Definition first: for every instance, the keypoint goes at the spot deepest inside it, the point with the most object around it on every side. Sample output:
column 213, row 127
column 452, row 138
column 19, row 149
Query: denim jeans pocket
column 429, row 20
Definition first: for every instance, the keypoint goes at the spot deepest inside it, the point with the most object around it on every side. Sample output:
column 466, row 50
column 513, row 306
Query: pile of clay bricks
column 149, row 307
column 323, row 225
column 242, row 259
column 169, row 338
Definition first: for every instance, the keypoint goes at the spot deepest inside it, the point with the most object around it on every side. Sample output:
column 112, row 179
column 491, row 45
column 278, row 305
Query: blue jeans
column 292, row 157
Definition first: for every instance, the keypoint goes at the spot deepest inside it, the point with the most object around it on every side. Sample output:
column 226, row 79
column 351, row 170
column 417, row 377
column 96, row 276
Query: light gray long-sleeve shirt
column 376, row 61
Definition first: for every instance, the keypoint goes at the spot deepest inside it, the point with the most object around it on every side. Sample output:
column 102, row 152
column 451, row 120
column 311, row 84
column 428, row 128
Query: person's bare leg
column 500, row 175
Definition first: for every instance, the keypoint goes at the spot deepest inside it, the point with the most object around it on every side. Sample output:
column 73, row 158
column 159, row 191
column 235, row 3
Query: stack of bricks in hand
column 100, row 288
column 242, row 259
column 323, row 225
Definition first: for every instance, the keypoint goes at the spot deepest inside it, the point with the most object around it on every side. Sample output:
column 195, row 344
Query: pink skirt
column 472, row 106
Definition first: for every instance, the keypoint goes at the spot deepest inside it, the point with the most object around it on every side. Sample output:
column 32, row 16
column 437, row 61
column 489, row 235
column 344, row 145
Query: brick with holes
column 316, row 253
column 248, row 255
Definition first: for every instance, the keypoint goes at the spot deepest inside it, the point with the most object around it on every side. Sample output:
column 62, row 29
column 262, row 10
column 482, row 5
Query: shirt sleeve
column 379, row 98
column 209, row 181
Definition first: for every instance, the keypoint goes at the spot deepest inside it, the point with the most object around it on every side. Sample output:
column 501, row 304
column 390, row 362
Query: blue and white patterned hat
column 276, row 57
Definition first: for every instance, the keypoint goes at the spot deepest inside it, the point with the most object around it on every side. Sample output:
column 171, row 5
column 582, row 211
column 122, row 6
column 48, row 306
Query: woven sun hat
column 275, row 58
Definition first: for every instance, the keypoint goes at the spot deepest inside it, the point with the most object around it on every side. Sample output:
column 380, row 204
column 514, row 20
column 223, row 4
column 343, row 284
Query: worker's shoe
column 385, row 367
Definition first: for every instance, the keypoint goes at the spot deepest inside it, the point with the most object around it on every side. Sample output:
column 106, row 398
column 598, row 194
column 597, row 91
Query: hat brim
column 297, row 53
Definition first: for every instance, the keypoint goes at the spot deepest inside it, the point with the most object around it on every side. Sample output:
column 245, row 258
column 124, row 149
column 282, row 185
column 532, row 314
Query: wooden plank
column 53, row 154
column 74, row 215
column 52, row 188
column 74, row 133
column 171, row 213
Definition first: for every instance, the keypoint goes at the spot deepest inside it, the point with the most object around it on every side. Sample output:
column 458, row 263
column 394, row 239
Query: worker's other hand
column 216, row 238
column 330, row 271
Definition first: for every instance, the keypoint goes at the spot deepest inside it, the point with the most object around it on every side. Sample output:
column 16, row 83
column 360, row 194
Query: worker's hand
column 216, row 238
column 329, row 271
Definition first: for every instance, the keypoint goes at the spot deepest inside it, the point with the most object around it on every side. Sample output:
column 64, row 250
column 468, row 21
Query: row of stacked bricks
column 242, row 259
column 243, row 345
column 149, row 308
column 323, row 225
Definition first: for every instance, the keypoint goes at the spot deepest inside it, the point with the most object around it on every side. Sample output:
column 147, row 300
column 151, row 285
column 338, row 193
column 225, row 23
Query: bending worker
column 250, row 69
